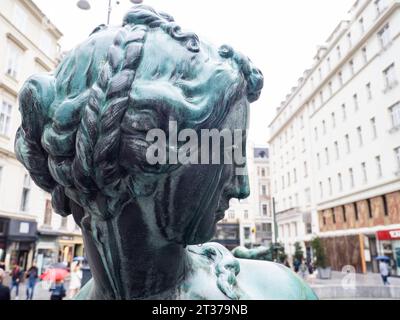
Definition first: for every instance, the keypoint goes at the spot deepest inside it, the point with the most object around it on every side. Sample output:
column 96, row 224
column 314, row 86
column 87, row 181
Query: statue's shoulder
column 271, row 281
column 218, row 274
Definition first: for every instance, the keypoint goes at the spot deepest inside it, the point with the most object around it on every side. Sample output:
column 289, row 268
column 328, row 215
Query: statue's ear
column 35, row 99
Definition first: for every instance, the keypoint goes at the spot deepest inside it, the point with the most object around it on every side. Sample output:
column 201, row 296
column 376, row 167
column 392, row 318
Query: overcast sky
column 279, row 36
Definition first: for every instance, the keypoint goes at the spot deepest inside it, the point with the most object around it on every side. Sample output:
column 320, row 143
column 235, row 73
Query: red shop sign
column 389, row 235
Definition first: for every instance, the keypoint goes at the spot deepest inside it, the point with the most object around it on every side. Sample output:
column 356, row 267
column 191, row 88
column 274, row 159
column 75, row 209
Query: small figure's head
column 84, row 128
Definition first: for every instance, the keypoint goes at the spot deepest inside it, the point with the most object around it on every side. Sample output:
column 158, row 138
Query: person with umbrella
column 384, row 268
column 56, row 277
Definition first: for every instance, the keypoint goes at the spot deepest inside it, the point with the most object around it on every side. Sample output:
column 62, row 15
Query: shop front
column 3, row 238
column 390, row 247
column 46, row 249
column 20, row 243
column 70, row 246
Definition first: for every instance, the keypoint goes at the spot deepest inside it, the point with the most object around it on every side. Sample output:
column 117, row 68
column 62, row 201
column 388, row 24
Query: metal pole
column 109, row 12
column 275, row 225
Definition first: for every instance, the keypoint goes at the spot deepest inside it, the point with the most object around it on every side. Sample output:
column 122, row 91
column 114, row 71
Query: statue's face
column 175, row 84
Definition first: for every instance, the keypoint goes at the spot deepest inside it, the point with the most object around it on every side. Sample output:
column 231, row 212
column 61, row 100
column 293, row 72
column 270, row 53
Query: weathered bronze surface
column 82, row 139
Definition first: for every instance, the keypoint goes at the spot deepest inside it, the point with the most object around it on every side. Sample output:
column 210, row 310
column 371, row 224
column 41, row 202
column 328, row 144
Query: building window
column 351, row 64
column 360, row 138
column 378, row 166
column 20, row 19
column 349, row 39
column 320, row 73
column 344, row 115
column 369, row 91
column 295, row 175
column 264, row 190
column 380, row 6
column 394, row 111
column 347, row 138
column 351, row 177
column 313, row 105
column 397, row 154
column 389, row 75
column 262, row 172
column 307, row 193
column 344, row 214
column 364, row 171
column 330, row 88
column 333, row 217
column 385, row 206
column 264, row 210
column 356, row 211
column 305, row 169
column 364, row 54
column 231, row 214
column 316, row 133
column 373, row 128
column 333, row 117
column 47, row 213
column 324, row 127
column 46, row 44
column 321, row 98
column 340, row 182
column 340, row 77
column 319, row 161
column 337, row 150
column 246, row 214
column 296, row 196
column 26, row 188
column 369, row 208
column 355, row 100
column 339, row 53
column 384, row 36
column 14, row 60
column 288, row 178
column 330, row 186
column 327, row 156
column 303, row 144
column 5, row 119
column 328, row 63
column 361, row 23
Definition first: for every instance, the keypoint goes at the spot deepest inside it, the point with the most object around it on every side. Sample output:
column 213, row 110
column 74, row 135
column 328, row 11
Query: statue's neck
column 130, row 260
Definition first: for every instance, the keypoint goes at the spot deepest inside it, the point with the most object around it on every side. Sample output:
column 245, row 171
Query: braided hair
column 69, row 139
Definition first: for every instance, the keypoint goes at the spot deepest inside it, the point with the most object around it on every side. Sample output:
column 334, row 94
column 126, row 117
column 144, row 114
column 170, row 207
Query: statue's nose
column 240, row 187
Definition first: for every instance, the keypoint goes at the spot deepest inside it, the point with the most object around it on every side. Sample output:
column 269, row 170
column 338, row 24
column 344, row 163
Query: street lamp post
column 85, row 5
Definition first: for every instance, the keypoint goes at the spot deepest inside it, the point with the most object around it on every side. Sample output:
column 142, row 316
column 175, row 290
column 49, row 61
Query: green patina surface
column 83, row 139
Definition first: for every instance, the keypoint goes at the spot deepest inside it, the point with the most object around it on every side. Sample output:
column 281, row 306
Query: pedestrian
column 296, row 265
column 303, row 269
column 4, row 291
column 287, row 264
column 58, row 291
column 384, row 271
column 76, row 279
column 16, row 275
column 32, row 276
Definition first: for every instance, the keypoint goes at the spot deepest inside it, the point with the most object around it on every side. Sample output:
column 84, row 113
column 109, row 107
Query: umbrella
column 54, row 275
column 79, row 259
column 382, row 258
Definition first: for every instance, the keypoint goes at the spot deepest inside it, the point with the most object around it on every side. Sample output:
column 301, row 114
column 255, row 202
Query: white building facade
column 249, row 222
column 28, row 228
column 335, row 139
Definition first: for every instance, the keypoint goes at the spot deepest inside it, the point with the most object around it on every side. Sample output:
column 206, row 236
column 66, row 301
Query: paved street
column 355, row 286
column 41, row 290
